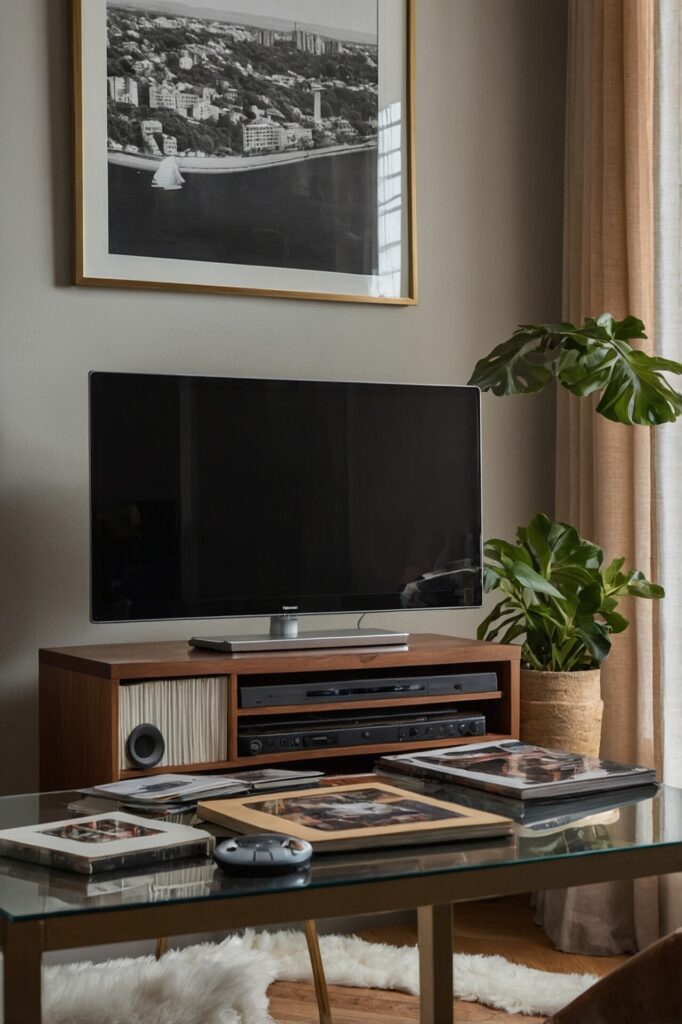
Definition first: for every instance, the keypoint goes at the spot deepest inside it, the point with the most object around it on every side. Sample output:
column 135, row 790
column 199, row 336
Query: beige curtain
column 604, row 481
column 668, row 167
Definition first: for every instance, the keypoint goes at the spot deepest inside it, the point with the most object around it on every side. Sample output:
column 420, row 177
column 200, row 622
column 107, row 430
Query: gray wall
column 490, row 136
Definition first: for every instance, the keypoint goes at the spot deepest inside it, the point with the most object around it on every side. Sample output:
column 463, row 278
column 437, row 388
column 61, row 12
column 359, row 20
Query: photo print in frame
column 261, row 147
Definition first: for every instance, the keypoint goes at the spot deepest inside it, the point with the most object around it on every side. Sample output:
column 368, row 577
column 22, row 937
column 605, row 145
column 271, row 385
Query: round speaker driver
column 145, row 745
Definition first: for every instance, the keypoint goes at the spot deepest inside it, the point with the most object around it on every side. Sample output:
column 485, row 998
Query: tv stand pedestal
column 91, row 698
column 284, row 635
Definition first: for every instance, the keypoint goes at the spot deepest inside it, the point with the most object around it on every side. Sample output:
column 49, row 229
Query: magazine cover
column 156, row 790
column 104, row 842
column 519, row 769
column 355, row 817
column 162, row 788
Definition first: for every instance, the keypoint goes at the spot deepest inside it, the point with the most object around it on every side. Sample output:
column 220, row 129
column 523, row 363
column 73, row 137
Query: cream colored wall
column 490, row 136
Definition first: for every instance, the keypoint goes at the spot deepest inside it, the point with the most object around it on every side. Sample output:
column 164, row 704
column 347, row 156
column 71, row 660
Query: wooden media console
column 85, row 706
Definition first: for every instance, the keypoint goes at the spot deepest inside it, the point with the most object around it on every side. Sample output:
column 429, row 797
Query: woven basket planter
column 562, row 710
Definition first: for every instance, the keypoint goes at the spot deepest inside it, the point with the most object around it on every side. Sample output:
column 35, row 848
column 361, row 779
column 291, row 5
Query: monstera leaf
column 594, row 357
column 557, row 597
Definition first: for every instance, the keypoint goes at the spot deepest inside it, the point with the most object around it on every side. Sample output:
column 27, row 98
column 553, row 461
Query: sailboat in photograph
column 168, row 176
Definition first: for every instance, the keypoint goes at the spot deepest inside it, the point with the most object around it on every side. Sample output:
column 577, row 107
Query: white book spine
column 191, row 714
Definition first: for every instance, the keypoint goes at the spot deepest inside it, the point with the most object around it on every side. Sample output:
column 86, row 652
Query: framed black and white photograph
column 264, row 150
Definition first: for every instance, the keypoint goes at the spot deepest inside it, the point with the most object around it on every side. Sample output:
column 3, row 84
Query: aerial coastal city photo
column 246, row 138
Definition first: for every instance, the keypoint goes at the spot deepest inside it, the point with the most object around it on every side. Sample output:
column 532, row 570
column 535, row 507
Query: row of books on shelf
column 453, row 793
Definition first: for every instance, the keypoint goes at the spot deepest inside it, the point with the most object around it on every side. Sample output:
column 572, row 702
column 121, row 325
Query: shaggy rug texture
column 227, row 983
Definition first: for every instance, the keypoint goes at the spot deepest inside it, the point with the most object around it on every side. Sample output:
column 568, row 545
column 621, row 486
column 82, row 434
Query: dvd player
column 272, row 695
column 355, row 731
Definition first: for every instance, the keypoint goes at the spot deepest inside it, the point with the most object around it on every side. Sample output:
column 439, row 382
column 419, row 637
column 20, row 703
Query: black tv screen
column 230, row 497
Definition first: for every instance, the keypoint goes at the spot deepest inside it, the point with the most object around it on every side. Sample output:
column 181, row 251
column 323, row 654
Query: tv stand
column 284, row 635
column 91, row 698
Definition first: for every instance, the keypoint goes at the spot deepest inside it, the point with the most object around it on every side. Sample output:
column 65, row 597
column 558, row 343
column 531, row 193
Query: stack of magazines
column 174, row 797
column 542, row 789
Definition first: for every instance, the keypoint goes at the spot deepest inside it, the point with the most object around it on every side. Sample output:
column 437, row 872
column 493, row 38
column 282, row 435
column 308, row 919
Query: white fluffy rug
column 227, row 983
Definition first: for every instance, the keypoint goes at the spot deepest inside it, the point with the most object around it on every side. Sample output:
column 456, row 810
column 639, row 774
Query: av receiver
column 355, row 731
column 270, row 695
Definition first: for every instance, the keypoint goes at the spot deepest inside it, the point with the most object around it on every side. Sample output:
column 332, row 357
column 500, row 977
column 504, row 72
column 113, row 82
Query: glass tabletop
column 594, row 825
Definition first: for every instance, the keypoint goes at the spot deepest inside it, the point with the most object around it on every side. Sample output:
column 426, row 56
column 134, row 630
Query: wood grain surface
column 503, row 927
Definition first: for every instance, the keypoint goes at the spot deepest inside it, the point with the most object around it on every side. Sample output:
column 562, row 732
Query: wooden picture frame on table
column 364, row 815
column 186, row 179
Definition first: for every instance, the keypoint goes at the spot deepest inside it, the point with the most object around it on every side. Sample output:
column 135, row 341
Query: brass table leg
column 321, row 993
column 161, row 947
column 435, row 964
column 23, row 949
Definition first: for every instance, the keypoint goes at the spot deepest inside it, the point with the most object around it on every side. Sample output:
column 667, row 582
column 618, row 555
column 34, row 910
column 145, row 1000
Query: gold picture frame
column 95, row 266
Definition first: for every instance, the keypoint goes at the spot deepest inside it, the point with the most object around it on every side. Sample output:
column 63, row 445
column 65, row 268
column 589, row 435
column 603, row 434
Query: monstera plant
column 595, row 357
column 559, row 600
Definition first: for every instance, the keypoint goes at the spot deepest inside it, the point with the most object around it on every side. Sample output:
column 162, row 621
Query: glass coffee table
column 634, row 834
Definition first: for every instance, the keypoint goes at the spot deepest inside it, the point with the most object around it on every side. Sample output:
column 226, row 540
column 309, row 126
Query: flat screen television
column 217, row 497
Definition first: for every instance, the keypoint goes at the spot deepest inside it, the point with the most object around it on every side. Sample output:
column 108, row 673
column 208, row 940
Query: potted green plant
column 559, row 600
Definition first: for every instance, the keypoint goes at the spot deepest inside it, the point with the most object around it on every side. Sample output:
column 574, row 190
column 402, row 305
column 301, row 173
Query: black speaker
column 146, row 745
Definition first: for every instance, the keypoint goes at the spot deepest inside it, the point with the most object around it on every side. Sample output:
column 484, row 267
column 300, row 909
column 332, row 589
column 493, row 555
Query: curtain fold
column 605, row 471
column 668, row 301
column 604, row 477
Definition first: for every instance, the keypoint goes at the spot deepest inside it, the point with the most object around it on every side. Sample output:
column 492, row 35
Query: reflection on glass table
column 42, row 910
column 649, row 818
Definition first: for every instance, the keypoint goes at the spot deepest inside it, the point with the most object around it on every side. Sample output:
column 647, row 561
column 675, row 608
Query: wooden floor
column 504, row 927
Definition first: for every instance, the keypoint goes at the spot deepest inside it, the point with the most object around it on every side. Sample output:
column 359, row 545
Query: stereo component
column 270, row 695
column 283, row 736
